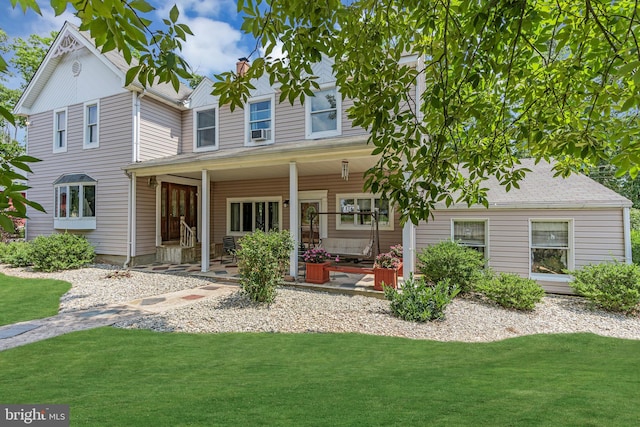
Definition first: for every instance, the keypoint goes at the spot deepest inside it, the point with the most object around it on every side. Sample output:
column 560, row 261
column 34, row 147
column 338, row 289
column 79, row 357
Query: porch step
column 175, row 254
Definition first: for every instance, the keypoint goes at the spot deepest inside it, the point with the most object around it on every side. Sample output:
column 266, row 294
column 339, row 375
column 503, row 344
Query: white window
column 350, row 204
column 248, row 215
column 551, row 243
column 205, row 129
column 259, row 121
column 472, row 233
column 323, row 114
column 74, row 202
column 91, row 117
column 60, row 131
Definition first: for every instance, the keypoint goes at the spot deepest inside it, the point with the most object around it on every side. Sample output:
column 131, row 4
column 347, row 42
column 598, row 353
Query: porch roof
column 274, row 156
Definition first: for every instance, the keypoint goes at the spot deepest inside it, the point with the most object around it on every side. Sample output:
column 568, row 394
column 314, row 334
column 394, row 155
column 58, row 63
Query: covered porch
column 237, row 191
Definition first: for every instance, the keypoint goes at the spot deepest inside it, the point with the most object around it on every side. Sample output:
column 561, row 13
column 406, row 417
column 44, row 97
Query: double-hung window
column 471, row 233
column 323, row 114
column 74, row 202
column 91, row 117
column 259, row 121
column 350, row 204
column 248, row 215
column 206, row 129
column 60, row 131
column 551, row 247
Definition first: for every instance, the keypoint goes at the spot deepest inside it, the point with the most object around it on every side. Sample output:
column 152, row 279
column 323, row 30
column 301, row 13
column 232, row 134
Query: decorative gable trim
column 67, row 45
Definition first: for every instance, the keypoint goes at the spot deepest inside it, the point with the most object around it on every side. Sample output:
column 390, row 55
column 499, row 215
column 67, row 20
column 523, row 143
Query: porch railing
column 187, row 234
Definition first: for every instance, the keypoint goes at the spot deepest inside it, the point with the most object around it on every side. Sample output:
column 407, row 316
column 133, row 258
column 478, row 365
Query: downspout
column 128, row 260
column 626, row 221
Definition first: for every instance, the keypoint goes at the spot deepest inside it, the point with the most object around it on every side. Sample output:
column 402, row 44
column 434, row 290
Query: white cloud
column 214, row 47
column 276, row 53
column 202, row 8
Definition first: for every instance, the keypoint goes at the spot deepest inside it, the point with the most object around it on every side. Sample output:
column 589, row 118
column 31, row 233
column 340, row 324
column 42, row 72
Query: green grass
column 114, row 377
column 28, row 299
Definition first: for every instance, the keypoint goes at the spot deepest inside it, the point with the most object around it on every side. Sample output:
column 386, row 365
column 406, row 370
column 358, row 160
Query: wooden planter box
column 387, row 275
column 316, row 273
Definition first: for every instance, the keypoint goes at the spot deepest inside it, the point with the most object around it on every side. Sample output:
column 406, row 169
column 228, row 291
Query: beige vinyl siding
column 598, row 236
column 186, row 142
column 145, row 217
column 279, row 187
column 160, row 129
column 231, row 128
column 347, row 126
column 103, row 164
column 290, row 122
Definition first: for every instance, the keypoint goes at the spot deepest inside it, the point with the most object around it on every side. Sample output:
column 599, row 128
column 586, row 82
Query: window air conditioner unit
column 259, row 134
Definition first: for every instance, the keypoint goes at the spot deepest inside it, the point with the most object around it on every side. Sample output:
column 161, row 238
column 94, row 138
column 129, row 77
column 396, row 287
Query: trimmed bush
column 611, row 286
column 262, row 261
column 449, row 260
column 17, row 254
column 511, row 291
column 61, row 252
column 635, row 219
column 416, row 301
column 635, row 246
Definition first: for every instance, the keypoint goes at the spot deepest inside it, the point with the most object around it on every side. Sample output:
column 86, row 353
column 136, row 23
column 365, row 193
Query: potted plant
column 385, row 270
column 315, row 260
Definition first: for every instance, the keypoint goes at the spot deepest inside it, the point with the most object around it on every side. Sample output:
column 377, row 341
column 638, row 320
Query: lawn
column 114, row 377
column 28, row 299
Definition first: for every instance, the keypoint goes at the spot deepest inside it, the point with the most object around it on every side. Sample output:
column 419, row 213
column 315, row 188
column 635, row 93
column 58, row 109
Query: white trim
column 486, row 232
column 265, row 199
column 570, row 255
column 626, row 223
column 323, row 197
column 216, row 128
column 205, row 202
column 294, row 218
column 85, row 118
column 63, row 149
column 309, row 134
column 158, row 193
column 247, row 116
column 74, row 223
column 340, row 226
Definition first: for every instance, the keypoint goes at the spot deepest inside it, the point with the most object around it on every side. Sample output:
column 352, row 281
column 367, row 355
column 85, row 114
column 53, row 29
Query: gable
column 78, row 77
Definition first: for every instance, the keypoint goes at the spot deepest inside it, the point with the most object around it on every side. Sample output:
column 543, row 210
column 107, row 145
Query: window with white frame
column 91, row 115
column 259, row 121
column 248, row 215
column 470, row 233
column 323, row 112
column 206, row 129
column 60, row 131
column 74, row 202
column 551, row 246
column 349, row 204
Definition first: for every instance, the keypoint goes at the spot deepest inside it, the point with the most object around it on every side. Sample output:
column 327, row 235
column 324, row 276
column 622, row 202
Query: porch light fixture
column 286, row 203
column 345, row 170
column 153, row 182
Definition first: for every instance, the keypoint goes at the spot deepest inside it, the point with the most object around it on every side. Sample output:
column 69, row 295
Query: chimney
column 242, row 66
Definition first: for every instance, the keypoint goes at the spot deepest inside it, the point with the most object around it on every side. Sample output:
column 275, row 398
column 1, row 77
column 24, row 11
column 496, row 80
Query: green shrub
column 418, row 302
column 449, row 260
column 18, row 254
column 61, row 252
column 635, row 219
column 611, row 286
column 511, row 291
column 262, row 261
column 635, row 246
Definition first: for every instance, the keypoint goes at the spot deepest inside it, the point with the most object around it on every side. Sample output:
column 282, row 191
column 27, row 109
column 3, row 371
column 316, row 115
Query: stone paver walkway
column 23, row 333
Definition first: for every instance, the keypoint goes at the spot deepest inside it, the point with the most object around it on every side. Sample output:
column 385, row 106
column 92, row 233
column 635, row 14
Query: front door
column 309, row 234
column 177, row 200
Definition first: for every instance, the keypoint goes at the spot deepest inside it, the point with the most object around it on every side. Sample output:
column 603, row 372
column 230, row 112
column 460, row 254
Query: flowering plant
column 387, row 260
column 316, row 255
column 396, row 251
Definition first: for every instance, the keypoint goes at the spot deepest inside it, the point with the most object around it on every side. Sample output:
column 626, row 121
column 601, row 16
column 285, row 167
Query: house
column 136, row 170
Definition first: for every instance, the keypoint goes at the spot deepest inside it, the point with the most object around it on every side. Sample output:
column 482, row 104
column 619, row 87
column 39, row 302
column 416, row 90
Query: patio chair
column 228, row 248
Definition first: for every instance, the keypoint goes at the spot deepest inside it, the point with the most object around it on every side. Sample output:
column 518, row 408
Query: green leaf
column 173, row 14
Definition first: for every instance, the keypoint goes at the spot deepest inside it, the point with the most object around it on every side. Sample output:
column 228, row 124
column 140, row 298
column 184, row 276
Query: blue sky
column 215, row 47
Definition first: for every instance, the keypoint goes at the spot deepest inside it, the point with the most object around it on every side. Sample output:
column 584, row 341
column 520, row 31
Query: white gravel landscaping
column 468, row 319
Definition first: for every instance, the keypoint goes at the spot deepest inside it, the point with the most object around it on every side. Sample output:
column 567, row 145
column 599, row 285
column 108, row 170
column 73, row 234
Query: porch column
column 206, row 212
column 626, row 223
column 294, row 217
column 408, row 249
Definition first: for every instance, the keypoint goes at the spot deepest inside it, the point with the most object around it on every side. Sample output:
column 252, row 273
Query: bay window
column 74, row 202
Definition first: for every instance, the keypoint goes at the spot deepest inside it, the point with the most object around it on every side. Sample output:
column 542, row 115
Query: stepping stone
column 152, row 301
column 210, row 287
column 17, row 330
column 95, row 313
column 192, row 297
